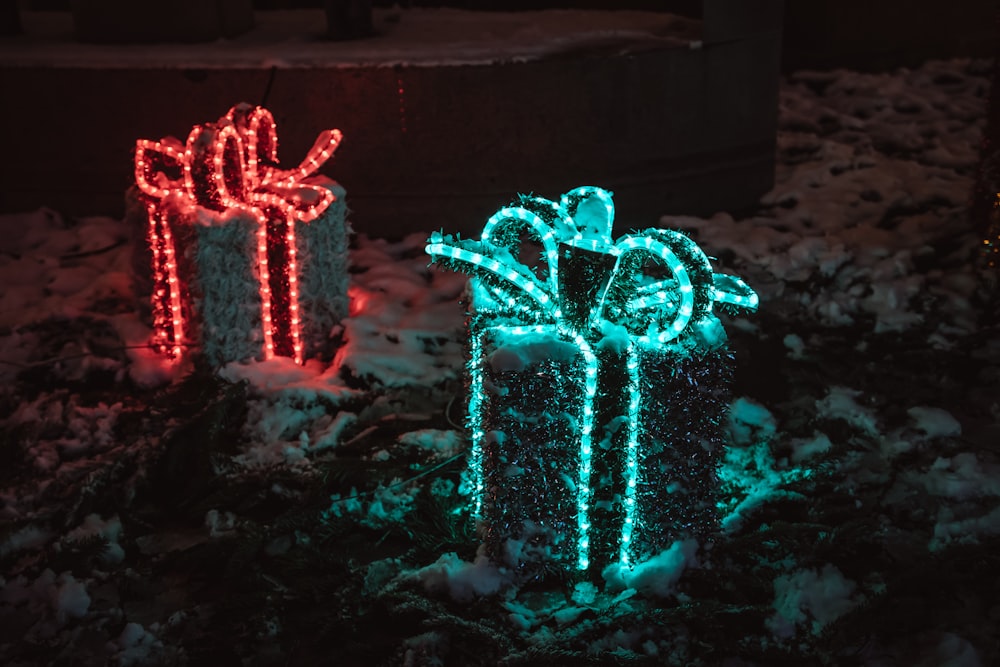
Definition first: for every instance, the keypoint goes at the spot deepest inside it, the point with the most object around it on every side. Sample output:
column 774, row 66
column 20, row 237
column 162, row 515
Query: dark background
column 858, row 34
column 684, row 131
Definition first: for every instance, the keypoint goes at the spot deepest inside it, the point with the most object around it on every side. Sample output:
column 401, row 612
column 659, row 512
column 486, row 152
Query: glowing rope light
column 586, row 454
column 732, row 290
column 654, row 313
column 684, row 289
column 230, row 165
column 528, row 286
column 546, row 236
column 558, row 218
column 476, row 424
column 631, row 454
column 166, row 317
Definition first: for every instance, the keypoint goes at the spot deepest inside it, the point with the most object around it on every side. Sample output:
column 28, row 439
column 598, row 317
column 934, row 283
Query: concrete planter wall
column 683, row 129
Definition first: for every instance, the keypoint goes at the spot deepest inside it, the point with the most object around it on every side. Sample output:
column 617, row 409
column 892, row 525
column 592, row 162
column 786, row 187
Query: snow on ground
column 867, row 221
column 861, row 441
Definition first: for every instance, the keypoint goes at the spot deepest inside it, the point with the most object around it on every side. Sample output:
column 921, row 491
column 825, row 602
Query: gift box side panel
column 225, row 291
column 685, row 395
column 530, row 414
column 323, row 258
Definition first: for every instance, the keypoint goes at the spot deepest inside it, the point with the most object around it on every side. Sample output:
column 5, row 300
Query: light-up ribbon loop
column 276, row 187
column 232, row 164
column 495, row 257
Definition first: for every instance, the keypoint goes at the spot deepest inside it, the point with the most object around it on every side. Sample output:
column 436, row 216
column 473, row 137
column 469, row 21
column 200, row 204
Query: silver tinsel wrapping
column 323, row 255
column 531, row 415
column 533, row 397
column 685, row 399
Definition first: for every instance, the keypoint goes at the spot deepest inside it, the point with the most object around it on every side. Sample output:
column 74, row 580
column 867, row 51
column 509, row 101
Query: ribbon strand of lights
column 654, row 312
column 476, row 426
column 232, row 165
column 168, row 326
column 631, row 455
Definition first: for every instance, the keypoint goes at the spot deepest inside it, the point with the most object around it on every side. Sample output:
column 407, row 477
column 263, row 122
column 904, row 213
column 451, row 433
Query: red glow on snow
column 357, row 300
column 231, row 164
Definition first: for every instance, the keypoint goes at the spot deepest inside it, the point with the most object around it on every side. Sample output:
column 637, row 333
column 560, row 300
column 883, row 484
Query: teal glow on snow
column 655, row 313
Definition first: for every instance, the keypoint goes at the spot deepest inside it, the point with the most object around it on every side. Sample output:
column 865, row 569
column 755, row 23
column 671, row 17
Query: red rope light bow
column 232, row 164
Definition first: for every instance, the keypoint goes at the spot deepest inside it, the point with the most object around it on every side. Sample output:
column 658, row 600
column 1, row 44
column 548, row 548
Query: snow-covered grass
column 318, row 513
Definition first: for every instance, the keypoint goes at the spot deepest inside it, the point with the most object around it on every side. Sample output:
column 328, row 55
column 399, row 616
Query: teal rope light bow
column 589, row 277
column 655, row 284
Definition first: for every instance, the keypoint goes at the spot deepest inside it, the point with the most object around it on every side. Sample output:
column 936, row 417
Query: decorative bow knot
column 654, row 283
column 233, row 164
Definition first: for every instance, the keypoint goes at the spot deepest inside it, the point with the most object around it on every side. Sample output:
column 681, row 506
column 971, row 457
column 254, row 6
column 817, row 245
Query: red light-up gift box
column 249, row 261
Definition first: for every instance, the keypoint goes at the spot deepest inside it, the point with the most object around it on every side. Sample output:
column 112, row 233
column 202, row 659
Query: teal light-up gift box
column 596, row 383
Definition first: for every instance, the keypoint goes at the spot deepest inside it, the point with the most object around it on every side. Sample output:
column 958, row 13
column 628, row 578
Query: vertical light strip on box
column 631, row 452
